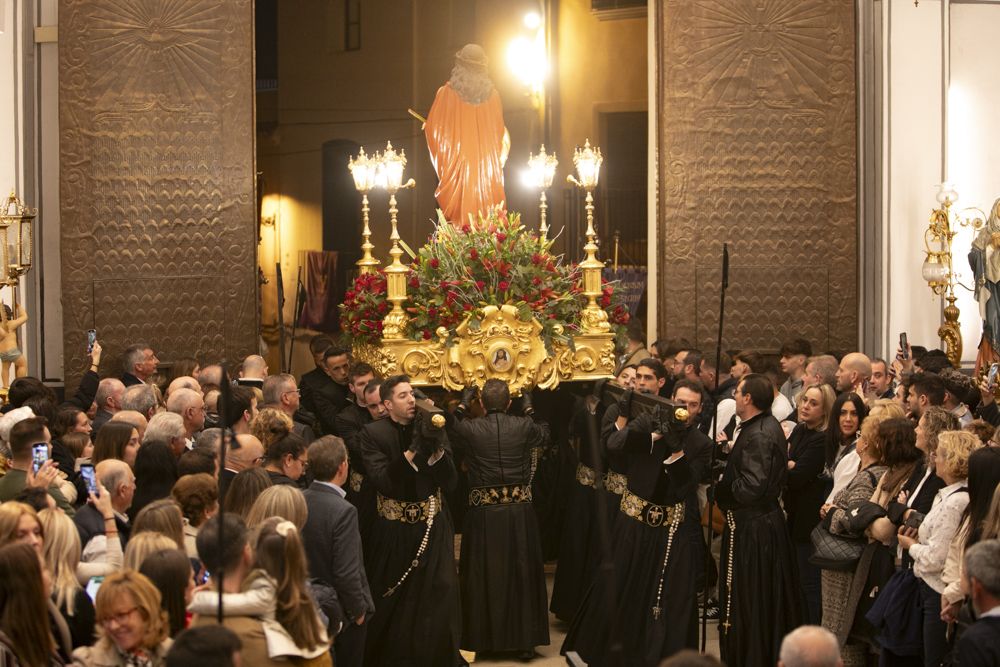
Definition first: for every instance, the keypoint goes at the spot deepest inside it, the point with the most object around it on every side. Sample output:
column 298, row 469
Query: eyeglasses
column 292, row 391
column 120, row 618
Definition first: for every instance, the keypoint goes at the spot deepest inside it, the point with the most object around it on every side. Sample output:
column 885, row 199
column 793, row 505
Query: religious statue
column 467, row 139
column 984, row 259
column 10, row 353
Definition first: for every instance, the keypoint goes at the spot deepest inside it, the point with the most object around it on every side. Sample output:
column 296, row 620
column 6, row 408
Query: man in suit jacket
column 980, row 644
column 333, row 547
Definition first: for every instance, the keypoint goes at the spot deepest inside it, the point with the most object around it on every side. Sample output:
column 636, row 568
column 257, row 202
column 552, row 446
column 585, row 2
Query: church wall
column 756, row 141
column 913, row 148
column 156, row 182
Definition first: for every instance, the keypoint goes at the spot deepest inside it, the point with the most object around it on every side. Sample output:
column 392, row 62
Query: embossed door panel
column 756, row 147
column 158, row 230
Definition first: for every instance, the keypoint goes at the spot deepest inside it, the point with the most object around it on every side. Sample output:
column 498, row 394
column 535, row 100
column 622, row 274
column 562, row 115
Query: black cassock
column 643, row 530
column 502, row 571
column 577, row 561
column 419, row 624
column 360, row 491
column 758, row 582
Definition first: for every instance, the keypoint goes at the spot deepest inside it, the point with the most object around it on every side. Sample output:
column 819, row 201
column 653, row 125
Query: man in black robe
column 502, row 572
column 324, row 389
column 759, row 591
column 647, row 610
column 410, row 556
column 350, row 421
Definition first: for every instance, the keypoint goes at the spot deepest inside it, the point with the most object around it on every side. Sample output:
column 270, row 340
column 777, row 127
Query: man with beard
column 501, row 562
column 467, row 139
column 759, row 601
column 410, row 557
column 649, row 611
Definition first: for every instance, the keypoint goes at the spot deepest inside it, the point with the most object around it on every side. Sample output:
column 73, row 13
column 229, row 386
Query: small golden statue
column 10, row 353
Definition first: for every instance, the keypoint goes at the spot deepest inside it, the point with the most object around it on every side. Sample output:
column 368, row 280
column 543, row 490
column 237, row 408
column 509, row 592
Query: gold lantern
column 541, row 171
column 588, row 168
column 363, row 171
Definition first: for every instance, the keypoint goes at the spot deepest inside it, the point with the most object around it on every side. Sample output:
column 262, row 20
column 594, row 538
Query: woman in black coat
column 803, row 494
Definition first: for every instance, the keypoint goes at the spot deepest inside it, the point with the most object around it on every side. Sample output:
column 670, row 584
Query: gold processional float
column 486, row 299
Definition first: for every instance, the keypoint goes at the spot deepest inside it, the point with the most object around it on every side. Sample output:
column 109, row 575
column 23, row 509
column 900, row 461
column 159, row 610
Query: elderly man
column 980, row 645
column 169, row 428
column 822, row 369
column 244, row 452
column 142, row 399
column 853, row 373
column 139, row 364
column 252, row 372
column 810, row 646
column 190, row 405
column 109, row 396
column 95, row 528
column 182, row 382
column 281, row 393
column 210, row 376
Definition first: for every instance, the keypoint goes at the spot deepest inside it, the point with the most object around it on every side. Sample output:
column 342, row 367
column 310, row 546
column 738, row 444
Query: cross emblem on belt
column 412, row 513
column 655, row 515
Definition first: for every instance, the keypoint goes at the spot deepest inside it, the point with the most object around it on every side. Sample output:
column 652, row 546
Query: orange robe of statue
column 466, row 146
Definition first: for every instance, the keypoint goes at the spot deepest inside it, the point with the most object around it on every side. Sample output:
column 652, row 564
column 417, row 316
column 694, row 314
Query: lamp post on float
column 391, row 170
column 588, row 161
column 363, row 170
column 541, row 171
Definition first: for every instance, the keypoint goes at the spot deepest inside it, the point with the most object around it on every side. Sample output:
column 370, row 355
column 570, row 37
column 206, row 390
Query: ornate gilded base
column 503, row 347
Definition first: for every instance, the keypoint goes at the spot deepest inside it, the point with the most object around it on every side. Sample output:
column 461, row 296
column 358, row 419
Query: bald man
column 190, row 405
column 852, row 374
column 810, row 646
column 243, row 453
column 253, row 371
column 109, row 401
column 183, row 382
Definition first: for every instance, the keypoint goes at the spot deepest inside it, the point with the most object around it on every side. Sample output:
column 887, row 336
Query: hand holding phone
column 39, row 455
column 904, row 346
column 90, row 479
column 991, row 376
column 91, row 339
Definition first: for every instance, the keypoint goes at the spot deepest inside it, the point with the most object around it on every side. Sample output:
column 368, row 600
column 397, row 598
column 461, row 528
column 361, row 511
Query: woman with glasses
column 285, row 460
column 132, row 626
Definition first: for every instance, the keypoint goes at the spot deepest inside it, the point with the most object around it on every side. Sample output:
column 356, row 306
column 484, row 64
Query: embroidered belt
column 615, row 482
column 585, row 475
column 404, row 511
column 356, row 480
column 650, row 513
column 499, row 495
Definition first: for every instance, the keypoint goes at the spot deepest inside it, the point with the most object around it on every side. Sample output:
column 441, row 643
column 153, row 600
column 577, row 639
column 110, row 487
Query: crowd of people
column 840, row 507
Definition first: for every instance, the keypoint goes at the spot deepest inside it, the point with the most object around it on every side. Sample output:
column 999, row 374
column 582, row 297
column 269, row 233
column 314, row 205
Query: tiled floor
column 549, row 655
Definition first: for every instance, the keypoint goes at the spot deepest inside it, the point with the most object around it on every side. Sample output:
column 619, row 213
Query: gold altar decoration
column 504, row 347
column 937, row 267
column 489, row 301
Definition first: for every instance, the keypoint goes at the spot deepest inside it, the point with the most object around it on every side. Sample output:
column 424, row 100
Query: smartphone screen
column 91, row 339
column 991, row 378
column 39, row 455
column 93, row 585
column 904, row 348
column 89, row 478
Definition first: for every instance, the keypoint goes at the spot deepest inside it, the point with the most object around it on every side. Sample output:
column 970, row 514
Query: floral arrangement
column 462, row 269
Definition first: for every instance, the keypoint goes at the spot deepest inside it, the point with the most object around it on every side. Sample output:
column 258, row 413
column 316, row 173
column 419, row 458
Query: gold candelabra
column 937, row 267
column 541, row 171
column 363, row 170
column 391, row 172
column 588, row 168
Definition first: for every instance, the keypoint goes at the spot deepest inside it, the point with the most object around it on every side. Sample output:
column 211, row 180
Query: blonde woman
column 270, row 425
column 19, row 523
column 62, row 556
column 142, row 545
column 162, row 516
column 930, row 548
column 132, row 626
column 282, row 501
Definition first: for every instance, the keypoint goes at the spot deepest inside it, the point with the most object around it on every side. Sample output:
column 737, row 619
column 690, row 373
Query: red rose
column 536, row 259
column 432, row 312
column 414, row 282
column 501, row 237
column 536, row 281
column 466, row 229
column 427, row 334
column 480, row 285
column 503, row 286
column 473, row 254
column 466, row 306
column 605, row 301
column 435, row 263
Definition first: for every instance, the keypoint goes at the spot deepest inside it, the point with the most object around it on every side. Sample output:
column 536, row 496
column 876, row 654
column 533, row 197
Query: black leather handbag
column 835, row 552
